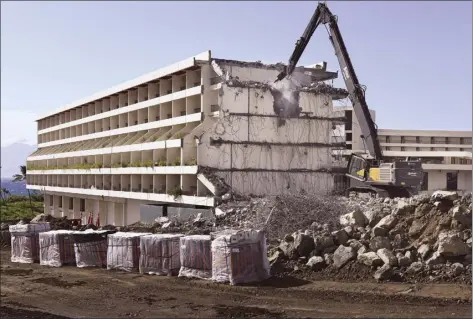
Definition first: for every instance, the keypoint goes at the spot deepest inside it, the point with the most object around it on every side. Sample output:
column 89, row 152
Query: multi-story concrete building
column 182, row 136
column 446, row 155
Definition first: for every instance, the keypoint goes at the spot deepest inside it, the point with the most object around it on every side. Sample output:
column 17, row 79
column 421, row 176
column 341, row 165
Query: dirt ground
column 34, row 291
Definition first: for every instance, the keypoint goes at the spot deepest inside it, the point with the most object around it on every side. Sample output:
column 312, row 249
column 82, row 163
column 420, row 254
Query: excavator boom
column 356, row 95
column 399, row 178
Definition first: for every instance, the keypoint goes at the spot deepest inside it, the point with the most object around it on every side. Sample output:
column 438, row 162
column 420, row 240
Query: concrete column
column 55, row 212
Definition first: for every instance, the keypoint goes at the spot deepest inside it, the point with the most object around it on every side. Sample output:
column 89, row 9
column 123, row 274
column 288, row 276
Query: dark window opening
column 349, row 146
column 71, row 203
column 82, row 205
column 349, row 137
column 60, row 201
column 349, row 117
column 452, row 181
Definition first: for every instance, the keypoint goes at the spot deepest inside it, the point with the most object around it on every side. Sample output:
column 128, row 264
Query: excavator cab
column 358, row 168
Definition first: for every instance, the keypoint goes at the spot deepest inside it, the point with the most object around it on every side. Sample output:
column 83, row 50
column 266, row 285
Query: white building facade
column 445, row 155
column 180, row 137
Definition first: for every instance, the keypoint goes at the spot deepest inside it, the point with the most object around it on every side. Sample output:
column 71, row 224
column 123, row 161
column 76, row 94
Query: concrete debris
column 435, row 259
column 316, row 263
column 408, row 239
column 444, row 195
column 355, row 218
column 304, row 244
column 383, row 273
column 423, row 251
column 378, row 242
column 340, row 236
column 403, row 260
column 343, row 255
column 370, row 259
column 415, row 267
column 450, row 244
column 387, row 256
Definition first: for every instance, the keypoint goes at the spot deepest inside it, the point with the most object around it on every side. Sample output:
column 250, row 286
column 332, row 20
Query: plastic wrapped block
column 240, row 257
column 90, row 248
column 123, row 251
column 25, row 242
column 56, row 248
column 159, row 254
column 196, row 257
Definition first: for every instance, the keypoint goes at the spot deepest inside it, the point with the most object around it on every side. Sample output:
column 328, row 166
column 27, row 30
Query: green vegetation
column 180, row 135
column 17, row 207
column 191, row 162
column 177, row 161
column 176, row 192
column 149, row 163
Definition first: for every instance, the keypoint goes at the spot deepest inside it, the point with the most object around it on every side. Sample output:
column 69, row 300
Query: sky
column 414, row 57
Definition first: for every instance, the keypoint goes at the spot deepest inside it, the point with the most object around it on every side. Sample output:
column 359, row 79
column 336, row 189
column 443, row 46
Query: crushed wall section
column 256, row 152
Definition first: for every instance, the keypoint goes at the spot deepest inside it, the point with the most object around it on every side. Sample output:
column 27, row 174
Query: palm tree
column 20, row 178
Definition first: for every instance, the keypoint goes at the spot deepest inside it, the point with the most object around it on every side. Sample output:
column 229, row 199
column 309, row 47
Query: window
column 51, row 198
column 452, row 181
column 71, row 203
column 349, row 137
column 418, row 139
column 60, row 201
column 82, row 205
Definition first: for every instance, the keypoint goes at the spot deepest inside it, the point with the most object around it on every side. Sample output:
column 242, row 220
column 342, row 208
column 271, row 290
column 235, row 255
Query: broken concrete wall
column 257, row 152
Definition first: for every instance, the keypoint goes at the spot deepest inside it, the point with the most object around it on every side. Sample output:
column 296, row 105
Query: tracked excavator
column 368, row 173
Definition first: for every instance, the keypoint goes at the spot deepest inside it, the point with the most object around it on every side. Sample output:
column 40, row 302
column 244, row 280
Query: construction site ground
column 34, row 291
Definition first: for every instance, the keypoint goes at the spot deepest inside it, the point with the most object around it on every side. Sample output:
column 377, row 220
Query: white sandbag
column 196, row 257
column 90, row 247
column 123, row 251
column 159, row 254
column 56, row 248
column 240, row 257
column 25, row 242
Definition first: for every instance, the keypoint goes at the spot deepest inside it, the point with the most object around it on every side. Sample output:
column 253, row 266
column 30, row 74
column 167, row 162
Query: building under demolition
column 174, row 140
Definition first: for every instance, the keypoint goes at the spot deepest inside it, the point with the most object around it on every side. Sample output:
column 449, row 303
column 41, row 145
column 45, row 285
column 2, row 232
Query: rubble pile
column 281, row 214
column 417, row 239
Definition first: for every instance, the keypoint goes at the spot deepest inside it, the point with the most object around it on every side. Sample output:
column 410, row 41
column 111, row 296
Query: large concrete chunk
column 380, row 242
column 341, row 237
column 462, row 215
column 323, row 242
column 304, row 244
column 316, row 262
column 383, row 273
column 355, row 218
column 451, row 244
column 444, row 195
column 343, row 255
column 375, row 214
column 387, row 256
column 423, row 251
column 370, row 259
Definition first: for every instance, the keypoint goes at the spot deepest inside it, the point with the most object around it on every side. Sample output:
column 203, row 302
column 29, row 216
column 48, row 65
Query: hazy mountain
column 12, row 156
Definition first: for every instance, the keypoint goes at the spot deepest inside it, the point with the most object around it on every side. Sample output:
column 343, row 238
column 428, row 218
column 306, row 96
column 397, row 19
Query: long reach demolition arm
column 356, row 92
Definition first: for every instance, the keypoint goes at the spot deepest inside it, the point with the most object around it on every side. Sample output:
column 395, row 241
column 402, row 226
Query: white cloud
column 18, row 126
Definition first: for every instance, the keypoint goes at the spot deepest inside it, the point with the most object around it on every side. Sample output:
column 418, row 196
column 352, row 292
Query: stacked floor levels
column 177, row 137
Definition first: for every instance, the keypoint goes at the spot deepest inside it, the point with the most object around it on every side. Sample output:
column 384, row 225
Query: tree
column 4, row 193
column 20, row 178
